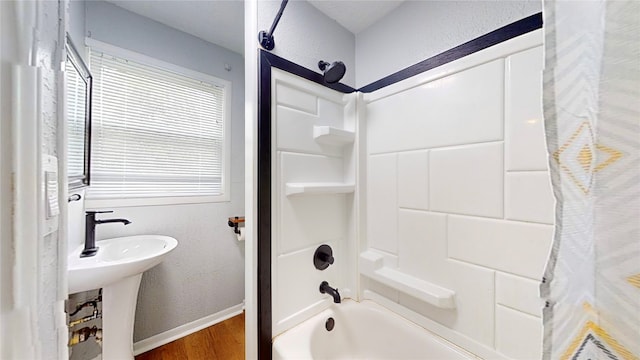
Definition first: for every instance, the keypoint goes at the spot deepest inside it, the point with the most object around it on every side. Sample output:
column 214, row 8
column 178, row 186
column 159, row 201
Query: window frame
column 98, row 46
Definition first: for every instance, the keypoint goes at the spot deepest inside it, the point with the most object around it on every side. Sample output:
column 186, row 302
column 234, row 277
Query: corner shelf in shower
column 372, row 266
column 292, row 189
column 328, row 135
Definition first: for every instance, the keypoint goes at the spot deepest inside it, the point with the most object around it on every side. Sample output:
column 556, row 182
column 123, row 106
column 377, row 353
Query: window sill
column 154, row 201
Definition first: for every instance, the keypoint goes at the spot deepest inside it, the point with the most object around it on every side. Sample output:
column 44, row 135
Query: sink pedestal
column 117, row 268
column 118, row 312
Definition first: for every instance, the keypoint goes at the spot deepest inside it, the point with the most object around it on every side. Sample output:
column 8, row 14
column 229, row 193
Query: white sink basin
column 117, row 259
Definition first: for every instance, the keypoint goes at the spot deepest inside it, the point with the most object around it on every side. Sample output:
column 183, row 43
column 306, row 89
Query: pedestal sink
column 117, row 268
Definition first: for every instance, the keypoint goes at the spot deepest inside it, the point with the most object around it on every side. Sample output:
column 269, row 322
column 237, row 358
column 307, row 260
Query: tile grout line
column 429, row 179
column 446, row 234
column 397, row 180
column 479, row 217
column 526, row 171
column 505, row 111
column 495, row 311
column 519, row 311
column 443, row 147
column 492, row 269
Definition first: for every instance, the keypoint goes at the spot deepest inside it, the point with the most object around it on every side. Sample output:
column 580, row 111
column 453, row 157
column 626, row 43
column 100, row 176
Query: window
column 157, row 133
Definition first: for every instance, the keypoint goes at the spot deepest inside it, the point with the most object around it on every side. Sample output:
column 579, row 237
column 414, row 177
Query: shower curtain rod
column 266, row 38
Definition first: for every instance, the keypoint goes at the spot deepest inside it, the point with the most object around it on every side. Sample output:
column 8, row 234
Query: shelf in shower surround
column 292, row 189
column 328, row 135
column 372, row 266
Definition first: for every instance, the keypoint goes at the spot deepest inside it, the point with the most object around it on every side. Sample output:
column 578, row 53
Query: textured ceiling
column 356, row 15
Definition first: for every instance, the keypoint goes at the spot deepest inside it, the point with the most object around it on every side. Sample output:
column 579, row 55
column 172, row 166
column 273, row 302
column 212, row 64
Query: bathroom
column 482, row 198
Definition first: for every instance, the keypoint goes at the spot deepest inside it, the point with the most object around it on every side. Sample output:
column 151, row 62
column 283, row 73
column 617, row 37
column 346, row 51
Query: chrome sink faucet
column 90, row 248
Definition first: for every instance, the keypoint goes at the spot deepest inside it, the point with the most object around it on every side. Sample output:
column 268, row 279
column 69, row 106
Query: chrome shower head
column 332, row 72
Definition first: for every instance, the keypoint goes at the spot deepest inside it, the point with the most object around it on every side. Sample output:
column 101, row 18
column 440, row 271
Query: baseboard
column 186, row 329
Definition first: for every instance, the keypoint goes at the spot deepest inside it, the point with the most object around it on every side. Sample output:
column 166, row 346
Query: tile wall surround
column 302, row 222
column 458, row 194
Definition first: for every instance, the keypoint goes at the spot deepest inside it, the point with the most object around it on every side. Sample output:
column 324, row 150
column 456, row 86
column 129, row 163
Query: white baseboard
column 186, row 329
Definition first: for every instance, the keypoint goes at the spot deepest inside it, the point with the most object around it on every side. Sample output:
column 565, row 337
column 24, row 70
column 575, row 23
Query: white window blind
column 155, row 133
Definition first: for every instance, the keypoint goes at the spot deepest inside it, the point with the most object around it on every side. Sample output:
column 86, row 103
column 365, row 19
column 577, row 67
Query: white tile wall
column 305, row 221
column 457, row 195
column 433, row 114
column 379, row 288
column 413, row 180
column 474, row 312
column 467, row 180
column 382, row 202
column 515, row 247
column 298, row 283
column 300, row 225
column 524, row 125
column 422, row 243
column 296, row 98
column 294, row 128
column 518, row 293
column 458, row 203
column 309, row 220
column 529, row 197
column 298, row 167
column 518, row 335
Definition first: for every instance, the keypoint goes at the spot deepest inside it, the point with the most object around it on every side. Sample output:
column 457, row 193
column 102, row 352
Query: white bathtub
column 363, row 330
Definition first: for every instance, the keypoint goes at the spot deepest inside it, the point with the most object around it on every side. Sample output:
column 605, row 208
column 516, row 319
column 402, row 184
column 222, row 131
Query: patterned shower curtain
column 592, row 118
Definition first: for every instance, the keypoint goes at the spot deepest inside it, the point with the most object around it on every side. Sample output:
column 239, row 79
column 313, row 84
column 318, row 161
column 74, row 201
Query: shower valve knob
column 323, row 257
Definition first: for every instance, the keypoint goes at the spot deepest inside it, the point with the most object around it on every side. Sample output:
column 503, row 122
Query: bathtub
column 363, row 330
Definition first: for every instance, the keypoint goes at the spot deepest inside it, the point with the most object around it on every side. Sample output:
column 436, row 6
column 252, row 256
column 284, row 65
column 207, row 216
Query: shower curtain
column 592, row 116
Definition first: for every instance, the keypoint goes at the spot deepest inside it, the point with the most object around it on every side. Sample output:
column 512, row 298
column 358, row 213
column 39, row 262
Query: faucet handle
column 98, row 212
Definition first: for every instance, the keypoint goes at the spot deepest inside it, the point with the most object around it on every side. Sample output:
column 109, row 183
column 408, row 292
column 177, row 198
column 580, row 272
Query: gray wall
column 76, row 24
column 305, row 36
column 417, row 30
column 205, row 274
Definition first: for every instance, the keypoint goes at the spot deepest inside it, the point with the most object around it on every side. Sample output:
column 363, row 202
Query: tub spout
column 326, row 289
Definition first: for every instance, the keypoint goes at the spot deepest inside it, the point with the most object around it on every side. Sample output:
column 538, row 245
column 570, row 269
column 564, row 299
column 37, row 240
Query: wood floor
column 224, row 340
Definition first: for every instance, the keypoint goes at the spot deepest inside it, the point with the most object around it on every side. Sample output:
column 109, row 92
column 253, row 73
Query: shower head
column 332, row 72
